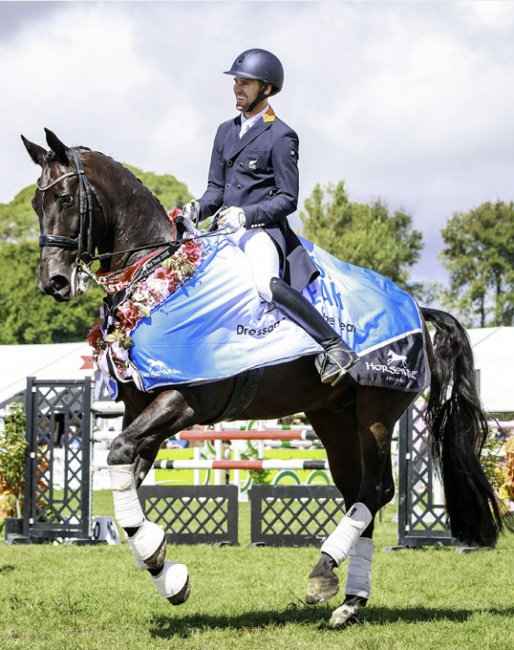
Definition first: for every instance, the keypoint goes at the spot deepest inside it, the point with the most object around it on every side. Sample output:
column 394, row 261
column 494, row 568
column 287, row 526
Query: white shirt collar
column 248, row 122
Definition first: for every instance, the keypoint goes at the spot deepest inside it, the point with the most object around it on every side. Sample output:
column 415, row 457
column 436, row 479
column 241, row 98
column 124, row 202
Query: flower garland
column 144, row 296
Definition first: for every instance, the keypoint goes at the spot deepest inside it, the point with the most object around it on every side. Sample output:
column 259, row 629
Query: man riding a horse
column 253, row 184
column 91, row 208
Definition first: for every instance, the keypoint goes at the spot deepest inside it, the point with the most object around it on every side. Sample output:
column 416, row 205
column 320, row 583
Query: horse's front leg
column 143, row 434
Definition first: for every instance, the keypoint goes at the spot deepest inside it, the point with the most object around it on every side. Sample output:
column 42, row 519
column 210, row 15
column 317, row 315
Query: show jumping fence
column 280, row 515
column 60, row 414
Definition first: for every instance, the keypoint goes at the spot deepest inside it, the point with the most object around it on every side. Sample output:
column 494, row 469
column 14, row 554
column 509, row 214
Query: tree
column 362, row 234
column 479, row 256
column 18, row 221
column 28, row 316
column 165, row 187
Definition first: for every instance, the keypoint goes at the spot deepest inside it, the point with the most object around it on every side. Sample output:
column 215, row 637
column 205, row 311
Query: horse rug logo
column 158, row 368
column 392, row 357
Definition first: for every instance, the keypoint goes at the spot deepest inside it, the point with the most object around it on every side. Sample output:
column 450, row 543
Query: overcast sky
column 410, row 102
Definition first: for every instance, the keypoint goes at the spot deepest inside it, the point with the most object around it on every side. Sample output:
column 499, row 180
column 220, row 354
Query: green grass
column 93, row 598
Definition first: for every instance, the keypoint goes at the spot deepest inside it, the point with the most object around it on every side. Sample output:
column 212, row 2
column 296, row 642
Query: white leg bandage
column 127, row 509
column 171, row 579
column 358, row 582
column 354, row 523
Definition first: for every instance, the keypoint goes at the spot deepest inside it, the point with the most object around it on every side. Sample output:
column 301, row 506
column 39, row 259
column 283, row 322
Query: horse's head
column 65, row 203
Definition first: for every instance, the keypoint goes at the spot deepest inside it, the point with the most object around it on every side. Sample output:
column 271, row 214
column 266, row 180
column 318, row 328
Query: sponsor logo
column 396, row 366
column 337, row 322
column 157, row 368
column 392, row 357
column 242, row 330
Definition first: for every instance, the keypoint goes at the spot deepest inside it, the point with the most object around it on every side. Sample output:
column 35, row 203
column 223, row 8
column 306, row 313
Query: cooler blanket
column 215, row 326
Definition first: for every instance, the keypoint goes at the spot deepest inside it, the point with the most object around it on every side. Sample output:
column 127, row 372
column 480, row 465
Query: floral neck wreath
column 112, row 339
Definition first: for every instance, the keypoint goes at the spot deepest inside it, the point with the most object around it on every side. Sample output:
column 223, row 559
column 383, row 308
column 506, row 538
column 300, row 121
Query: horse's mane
column 51, row 156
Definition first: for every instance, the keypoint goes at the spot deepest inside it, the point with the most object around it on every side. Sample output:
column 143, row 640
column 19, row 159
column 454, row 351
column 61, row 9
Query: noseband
column 84, row 242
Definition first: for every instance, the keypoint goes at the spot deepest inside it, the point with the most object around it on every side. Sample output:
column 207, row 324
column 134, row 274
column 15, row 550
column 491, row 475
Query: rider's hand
column 191, row 210
column 232, row 217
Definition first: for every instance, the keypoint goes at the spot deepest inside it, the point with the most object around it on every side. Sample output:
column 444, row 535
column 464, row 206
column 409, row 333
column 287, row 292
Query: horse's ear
column 36, row 152
column 60, row 149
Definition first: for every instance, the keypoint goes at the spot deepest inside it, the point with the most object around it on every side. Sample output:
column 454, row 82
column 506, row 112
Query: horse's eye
column 66, row 200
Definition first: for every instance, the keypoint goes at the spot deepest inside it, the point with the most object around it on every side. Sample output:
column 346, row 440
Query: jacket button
column 230, row 163
column 241, row 164
column 239, row 187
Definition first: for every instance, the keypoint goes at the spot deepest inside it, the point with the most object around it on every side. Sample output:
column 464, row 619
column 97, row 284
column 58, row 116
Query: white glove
column 191, row 210
column 233, row 218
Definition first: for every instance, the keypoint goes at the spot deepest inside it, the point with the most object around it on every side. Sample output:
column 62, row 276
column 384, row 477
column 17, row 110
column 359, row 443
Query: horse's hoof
column 183, row 594
column 345, row 615
column 321, row 588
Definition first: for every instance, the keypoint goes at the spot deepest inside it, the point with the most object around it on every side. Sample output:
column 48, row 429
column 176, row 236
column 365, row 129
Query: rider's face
column 246, row 91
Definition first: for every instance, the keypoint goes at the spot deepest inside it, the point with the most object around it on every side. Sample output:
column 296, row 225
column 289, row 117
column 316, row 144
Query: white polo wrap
column 353, row 524
column 358, row 582
column 127, row 509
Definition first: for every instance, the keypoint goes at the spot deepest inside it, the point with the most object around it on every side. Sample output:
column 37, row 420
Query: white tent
column 57, row 361
column 493, row 349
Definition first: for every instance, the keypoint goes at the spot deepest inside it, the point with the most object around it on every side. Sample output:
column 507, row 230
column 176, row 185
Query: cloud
column 410, row 102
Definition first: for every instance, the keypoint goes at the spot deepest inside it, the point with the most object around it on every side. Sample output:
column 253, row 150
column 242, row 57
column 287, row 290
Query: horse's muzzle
column 57, row 286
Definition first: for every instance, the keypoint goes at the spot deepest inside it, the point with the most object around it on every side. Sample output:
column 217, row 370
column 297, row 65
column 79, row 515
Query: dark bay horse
column 92, row 208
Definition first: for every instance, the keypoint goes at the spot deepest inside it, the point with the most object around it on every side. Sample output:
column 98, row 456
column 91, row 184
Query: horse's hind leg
column 358, row 450
column 339, row 435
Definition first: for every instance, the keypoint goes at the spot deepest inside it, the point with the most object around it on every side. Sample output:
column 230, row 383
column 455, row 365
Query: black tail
column 458, row 430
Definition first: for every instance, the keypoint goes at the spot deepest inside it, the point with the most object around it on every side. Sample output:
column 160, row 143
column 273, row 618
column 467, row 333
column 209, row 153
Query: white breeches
column 263, row 255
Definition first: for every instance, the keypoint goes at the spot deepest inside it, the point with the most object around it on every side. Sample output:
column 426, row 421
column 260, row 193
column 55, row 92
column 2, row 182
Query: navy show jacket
column 259, row 173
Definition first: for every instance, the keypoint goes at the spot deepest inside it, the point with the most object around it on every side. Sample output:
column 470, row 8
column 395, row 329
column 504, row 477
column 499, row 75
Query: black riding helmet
column 261, row 65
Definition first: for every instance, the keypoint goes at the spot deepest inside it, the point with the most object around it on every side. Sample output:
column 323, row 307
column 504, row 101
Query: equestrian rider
column 253, row 176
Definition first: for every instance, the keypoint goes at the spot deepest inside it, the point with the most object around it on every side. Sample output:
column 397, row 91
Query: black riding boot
column 337, row 358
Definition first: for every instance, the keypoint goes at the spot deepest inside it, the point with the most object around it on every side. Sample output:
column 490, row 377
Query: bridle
column 83, row 244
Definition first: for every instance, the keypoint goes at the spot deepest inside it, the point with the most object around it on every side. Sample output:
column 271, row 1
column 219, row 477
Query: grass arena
column 73, row 597
column 69, row 597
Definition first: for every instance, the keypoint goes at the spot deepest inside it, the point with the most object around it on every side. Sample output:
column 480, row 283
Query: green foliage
column 258, row 476
column 32, row 317
column 165, row 187
column 18, row 221
column 479, row 256
column 491, row 459
column 366, row 235
column 12, row 461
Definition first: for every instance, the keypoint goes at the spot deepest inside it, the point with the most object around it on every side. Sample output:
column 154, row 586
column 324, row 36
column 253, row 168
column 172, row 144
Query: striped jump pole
column 272, row 464
column 236, row 434
column 283, row 436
